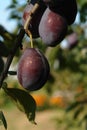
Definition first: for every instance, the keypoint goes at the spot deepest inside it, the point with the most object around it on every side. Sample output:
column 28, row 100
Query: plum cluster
column 50, row 22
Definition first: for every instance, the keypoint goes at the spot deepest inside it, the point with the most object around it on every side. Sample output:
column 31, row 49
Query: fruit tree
column 46, row 50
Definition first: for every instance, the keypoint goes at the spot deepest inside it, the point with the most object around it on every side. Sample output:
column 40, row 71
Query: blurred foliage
column 68, row 66
column 3, row 120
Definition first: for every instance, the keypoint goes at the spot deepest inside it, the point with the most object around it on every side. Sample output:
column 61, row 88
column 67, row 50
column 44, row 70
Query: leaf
column 3, row 50
column 1, row 65
column 14, row 15
column 12, row 72
column 3, row 120
column 24, row 102
column 78, row 111
column 12, row 6
column 82, row 120
column 83, row 13
column 72, row 106
column 14, row 1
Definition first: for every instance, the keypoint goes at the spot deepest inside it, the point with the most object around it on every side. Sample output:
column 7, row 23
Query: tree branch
column 17, row 44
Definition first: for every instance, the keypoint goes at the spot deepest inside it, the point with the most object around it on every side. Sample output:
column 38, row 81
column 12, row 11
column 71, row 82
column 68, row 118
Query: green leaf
column 14, row 1
column 14, row 16
column 3, row 120
column 78, row 111
column 72, row 106
column 83, row 13
column 12, row 6
column 24, row 102
column 12, row 72
column 3, row 50
column 1, row 65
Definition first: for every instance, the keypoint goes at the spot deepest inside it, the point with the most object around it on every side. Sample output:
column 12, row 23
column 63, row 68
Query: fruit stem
column 36, row 6
column 31, row 39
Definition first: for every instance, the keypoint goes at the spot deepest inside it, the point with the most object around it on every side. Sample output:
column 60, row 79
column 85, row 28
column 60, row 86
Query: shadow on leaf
column 24, row 102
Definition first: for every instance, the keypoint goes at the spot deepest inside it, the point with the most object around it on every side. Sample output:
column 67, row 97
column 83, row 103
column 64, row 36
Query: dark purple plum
column 66, row 8
column 33, row 26
column 33, row 69
column 52, row 28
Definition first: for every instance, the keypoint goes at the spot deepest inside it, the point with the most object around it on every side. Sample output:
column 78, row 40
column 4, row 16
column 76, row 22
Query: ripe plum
column 33, row 69
column 52, row 28
column 66, row 8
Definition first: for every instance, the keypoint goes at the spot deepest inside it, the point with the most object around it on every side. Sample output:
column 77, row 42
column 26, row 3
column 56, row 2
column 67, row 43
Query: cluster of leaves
column 71, row 63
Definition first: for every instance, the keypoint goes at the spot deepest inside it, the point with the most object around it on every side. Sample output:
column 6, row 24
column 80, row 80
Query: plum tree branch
column 11, row 55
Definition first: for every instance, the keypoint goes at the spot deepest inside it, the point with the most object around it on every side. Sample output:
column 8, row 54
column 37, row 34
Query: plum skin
column 66, row 8
column 52, row 28
column 33, row 69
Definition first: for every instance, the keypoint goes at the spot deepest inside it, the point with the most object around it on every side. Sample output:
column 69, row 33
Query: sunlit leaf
column 24, row 101
column 3, row 120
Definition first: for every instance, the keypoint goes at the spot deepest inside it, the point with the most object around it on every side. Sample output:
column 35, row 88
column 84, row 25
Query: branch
column 17, row 44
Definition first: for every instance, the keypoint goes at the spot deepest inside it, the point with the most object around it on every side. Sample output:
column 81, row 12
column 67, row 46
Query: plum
column 33, row 69
column 66, row 8
column 52, row 28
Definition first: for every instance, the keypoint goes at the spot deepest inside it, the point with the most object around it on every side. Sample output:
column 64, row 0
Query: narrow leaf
column 78, row 111
column 24, row 102
column 72, row 106
column 12, row 72
column 3, row 120
column 1, row 65
column 83, row 13
column 3, row 49
column 12, row 6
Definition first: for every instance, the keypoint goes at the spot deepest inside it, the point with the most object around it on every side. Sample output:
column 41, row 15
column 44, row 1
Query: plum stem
column 36, row 6
column 34, row 9
column 31, row 40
